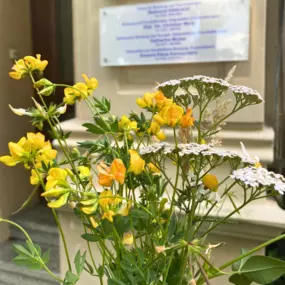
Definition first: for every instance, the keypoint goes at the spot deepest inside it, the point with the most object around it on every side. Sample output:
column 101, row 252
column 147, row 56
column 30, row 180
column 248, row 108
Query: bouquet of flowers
column 148, row 205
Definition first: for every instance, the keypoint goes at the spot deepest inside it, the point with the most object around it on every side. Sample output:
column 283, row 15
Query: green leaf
column 239, row 264
column 239, row 279
column 90, row 268
column 70, row 278
column 79, row 262
column 115, row 281
column 90, row 237
column 172, row 227
column 139, row 214
column 263, row 269
column 21, row 250
column 102, row 124
column 46, row 257
column 115, row 126
column 93, row 129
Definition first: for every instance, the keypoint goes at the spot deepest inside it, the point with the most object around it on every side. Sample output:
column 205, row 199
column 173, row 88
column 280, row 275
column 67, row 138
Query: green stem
column 57, row 223
column 30, row 241
column 257, row 248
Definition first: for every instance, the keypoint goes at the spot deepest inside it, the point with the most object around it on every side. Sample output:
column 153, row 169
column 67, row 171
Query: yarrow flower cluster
column 251, row 94
column 157, row 147
column 259, row 177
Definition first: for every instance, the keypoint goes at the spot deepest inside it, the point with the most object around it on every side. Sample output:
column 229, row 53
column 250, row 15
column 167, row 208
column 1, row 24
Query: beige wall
column 15, row 32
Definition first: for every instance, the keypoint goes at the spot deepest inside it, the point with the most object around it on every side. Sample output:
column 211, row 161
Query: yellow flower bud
column 153, row 168
column 128, row 239
column 93, row 222
column 211, row 182
column 108, row 216
column 159, row 119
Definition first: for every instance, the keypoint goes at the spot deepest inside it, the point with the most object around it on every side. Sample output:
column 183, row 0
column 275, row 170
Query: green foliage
column 259, row 269
column 30, row 256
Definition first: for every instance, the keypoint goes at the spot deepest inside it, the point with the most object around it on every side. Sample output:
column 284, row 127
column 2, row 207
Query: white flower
column 40, row 108
column 192, row 148
column 246, row 91
column 156, row 147
column 259, row 177
column 61, row 110
column 20, row 111
column 173, row 82
column 246, row 158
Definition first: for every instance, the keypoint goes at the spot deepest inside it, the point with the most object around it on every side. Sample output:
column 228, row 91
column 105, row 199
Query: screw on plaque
column 104, row 13
column 105, row 60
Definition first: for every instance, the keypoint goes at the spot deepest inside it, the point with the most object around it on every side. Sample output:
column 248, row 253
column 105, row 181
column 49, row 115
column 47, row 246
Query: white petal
column 20, row 111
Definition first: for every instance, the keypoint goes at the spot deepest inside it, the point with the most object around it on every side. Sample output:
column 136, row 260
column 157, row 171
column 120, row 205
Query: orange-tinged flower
column 172, row 114
column 137, row 164
column 128, row 239
column 161, row 100
column 107, row 174
column 211, row 182
column 118, row 170
column 108, row 216
column 187, row 120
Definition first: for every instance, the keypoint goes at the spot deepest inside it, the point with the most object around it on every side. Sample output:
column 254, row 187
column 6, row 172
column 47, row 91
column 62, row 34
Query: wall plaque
column 180, row 31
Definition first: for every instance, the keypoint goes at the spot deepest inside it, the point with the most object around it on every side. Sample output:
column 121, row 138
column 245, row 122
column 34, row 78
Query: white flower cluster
column 237, row 89
column 201, row 78
column 192, row 148
column 156, row 147
column 259, row 177
column 245, row 90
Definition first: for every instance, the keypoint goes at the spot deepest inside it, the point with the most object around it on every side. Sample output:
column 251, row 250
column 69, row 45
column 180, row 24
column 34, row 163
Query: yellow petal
column 55, row 192
column 128, row 239
column 59, row 202
column 93, row 223
column 137, row 164
column 8, row 160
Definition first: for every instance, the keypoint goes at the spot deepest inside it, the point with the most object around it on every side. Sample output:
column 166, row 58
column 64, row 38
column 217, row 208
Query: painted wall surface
column 15, row 32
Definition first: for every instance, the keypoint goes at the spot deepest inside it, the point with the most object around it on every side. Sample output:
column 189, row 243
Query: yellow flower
column 137, row 164
column 34, row 148
column 153, row 168
column 27, row 64
column 187, row 120
column 154, row 128
column 93, row 222
column 211, row 182
column 146, row 101
column 105, row 202
column 128, row 239
column 161, row 136
column 61, row 201
column 84, row 172
column 126, row 124
column 69, row 96
column 56, row 176
column 108, row 215
column 91, row 83
column 157, row 118
column 34, row 178
column 172, row 114
column 125, row 208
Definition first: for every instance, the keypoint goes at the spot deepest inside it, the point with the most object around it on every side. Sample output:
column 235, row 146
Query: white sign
column 180, row 31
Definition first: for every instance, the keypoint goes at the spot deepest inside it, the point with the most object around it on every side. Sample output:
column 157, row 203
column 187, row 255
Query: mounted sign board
column 181, row 31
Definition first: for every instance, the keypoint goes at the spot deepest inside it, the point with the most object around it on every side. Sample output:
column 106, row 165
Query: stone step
column 11, row 274
column 38, row 221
